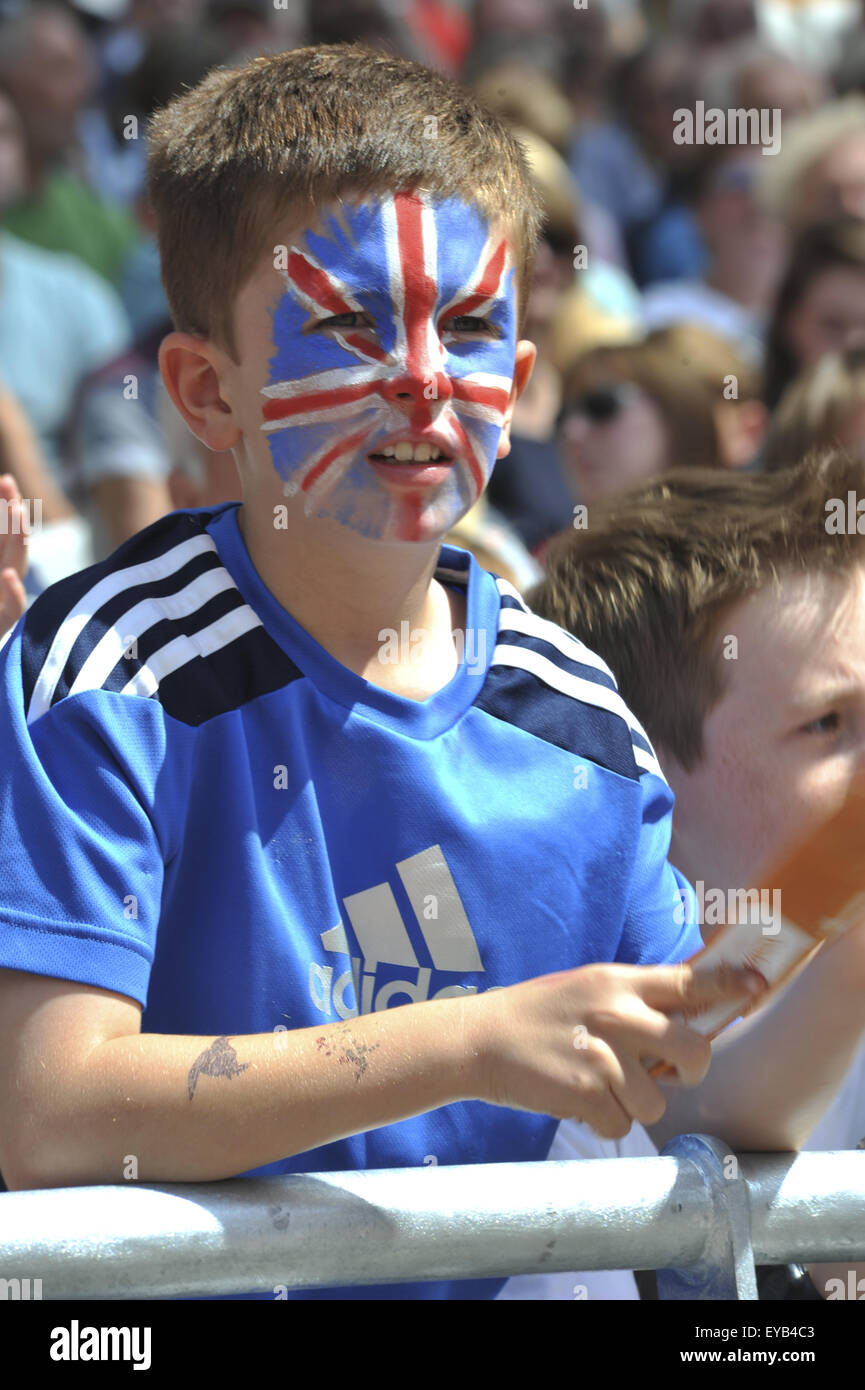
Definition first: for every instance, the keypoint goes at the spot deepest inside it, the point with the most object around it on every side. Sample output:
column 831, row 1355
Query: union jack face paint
column 397, row 323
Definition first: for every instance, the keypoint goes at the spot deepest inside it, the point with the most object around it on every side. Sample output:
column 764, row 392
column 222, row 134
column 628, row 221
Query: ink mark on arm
column 354, row 1053
column 220, row 1059
column 356, row 1056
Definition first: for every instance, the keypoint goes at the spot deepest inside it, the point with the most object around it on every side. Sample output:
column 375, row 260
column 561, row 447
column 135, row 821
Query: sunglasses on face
column 602, row 403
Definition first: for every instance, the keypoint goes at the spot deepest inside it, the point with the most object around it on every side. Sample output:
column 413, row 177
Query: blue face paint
column 397, row 323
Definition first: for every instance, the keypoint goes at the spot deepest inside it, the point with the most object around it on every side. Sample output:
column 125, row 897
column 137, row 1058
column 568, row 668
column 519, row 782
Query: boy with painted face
column 246, row 810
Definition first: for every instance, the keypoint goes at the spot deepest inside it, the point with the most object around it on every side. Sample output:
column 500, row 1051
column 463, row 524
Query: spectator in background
column 709, row 25
column 732, row 384
column 749, row 74
column 528, row 30
column 47, row 70
column 823, row 407
column 820, row 305
column 745, row 247
column 256, row 26
column 174, row 60
column 58, row 321
column 121, row 48
column 819, row 172
column 816, row 30
column 849, row 76
column 630, row 413
column 591, row 45
column 534, row 101
column 55, row 534
column 435, row 34
column 758, row 750
column 632, row 167
column 528, row 487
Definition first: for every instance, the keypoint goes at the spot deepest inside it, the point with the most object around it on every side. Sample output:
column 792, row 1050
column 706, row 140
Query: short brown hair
column 648, row 583
column 290, row 132
column 812, row 409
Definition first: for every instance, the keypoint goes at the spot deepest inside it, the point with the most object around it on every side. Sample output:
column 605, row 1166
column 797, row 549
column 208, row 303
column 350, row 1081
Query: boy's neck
column 370, row 589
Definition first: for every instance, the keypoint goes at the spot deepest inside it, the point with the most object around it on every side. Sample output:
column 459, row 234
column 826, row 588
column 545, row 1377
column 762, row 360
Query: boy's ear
column 526, row 353
column 192, row 369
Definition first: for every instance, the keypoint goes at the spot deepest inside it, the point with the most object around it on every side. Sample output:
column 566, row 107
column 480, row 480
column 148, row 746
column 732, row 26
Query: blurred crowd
column 694, row 303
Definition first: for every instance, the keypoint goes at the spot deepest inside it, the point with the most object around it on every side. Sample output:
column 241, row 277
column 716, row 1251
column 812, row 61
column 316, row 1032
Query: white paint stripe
column 586, row 692
column 77, row 619
column 181, row 650
column 109, row 649
column 397, row 290
column 470, row 287
column 329, row 380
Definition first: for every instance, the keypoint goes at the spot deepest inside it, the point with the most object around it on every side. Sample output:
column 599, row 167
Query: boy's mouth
column 410, row 451
column 417, row 462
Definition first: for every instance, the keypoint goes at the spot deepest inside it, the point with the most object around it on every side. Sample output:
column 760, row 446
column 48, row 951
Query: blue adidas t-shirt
column 203, row 810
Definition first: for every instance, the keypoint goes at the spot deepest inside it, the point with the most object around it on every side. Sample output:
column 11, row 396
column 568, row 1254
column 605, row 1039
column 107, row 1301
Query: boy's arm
column 773, row 1074
column 82, row 1089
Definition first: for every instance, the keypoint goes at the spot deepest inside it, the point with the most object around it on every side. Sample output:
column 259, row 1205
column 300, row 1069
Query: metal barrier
column 698, row 1212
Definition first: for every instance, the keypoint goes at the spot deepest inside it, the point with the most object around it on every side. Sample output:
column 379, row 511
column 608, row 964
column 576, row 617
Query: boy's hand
column 13, row 553
column 576, row 1045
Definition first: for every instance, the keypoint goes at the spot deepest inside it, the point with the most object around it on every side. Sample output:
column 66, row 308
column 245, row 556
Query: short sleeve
column 661, row 918
column 81, row 867
column 117, row 438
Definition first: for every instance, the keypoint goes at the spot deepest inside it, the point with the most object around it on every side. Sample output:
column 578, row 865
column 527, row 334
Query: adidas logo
column 383, row 939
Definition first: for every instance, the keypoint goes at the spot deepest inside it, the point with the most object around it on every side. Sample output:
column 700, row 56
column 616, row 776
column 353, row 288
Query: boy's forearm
column 202, row 1109
column 773, row 1075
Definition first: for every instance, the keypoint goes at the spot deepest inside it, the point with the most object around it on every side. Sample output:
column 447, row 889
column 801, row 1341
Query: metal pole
column 726, row 1268
column 408, row 1224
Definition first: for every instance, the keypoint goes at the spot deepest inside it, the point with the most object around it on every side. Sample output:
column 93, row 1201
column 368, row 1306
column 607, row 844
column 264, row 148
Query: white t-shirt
column 843, row 1125
column 575, row 1141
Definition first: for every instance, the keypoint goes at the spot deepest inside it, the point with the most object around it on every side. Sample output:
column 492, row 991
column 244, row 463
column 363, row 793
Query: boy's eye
column 471, row 323
column 826, row 724
column 355, row 319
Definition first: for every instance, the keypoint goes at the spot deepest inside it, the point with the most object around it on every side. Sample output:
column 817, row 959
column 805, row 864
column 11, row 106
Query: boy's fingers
column 14, row 536
column 689, row 987
column 13, row 600
column 640, row 1097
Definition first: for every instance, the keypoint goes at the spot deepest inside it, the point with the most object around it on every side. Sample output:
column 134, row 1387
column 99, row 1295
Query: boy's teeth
column 418, row 453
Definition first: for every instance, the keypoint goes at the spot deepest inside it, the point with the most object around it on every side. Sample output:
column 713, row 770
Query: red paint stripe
column 363, row 345
column 474, row 466
column 282, row 409
column 408, row 526
column 316, row 284
column 495, row 396
column 487, row 285
column 419, row 289
column 330, row 457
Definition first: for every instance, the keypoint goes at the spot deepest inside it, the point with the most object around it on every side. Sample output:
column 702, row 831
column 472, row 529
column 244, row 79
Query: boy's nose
column 418, row 388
